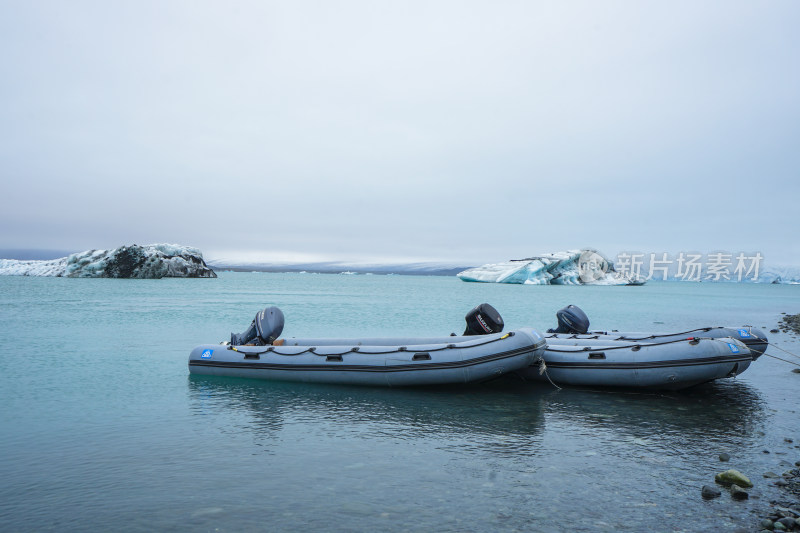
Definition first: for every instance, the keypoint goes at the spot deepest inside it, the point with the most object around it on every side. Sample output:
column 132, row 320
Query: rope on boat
column 357, row 349
column 597, row 334
column 632, row 346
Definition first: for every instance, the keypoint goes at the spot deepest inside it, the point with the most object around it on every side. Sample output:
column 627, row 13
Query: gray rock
column 787, row 439
column 738, row 493
column 767, row 524
column 779, row 527
column 724, row 457
column 781, row 483
column 710, row 493
column 796, row 370
column 787, row 522
column 770, row 474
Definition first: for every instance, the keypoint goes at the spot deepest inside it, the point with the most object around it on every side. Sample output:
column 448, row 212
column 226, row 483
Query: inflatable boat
column 573, row 321
column 675, row 364
column 482, row 353
column 575, row 356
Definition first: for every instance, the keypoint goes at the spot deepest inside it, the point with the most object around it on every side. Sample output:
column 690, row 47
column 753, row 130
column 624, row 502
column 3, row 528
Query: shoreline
column 784, row 513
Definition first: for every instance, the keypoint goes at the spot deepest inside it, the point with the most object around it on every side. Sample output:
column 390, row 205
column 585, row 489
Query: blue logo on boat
column 206, row 354
column 743, row 333
column 733, row 347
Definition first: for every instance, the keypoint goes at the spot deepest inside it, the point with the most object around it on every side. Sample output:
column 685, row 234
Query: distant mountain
column 337, row 267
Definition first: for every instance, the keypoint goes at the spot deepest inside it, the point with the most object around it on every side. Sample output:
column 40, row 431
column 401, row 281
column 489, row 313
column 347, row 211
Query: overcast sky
column 460, row 131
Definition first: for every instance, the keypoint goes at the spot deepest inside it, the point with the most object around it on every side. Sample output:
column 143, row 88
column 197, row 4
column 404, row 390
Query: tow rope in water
column 543, row 370
column 785, row 351
column 784, row 360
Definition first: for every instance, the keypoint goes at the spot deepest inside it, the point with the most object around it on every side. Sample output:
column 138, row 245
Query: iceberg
column 151, row 261
column 14, row 267
column 571, row 267
column 780, row 275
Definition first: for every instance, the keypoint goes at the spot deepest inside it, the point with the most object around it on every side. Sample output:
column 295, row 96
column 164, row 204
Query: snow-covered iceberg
column 151, row 261
column 572, row 267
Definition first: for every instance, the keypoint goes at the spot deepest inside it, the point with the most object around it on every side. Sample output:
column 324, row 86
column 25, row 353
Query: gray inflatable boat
column 482, row 353
column 575, row 356
column 673, row 364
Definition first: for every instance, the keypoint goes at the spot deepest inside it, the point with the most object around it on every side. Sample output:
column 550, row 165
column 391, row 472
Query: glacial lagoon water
column 103, row 428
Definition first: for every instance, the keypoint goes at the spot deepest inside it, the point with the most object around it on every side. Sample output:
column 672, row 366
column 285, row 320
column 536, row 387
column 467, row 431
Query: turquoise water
column 103, row 428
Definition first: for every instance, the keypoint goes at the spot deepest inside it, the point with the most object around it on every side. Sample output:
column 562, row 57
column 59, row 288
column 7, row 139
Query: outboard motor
column 571, row 319
column 265, row 328
column 483, row 320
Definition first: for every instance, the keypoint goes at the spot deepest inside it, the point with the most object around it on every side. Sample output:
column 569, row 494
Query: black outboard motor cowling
column 265, row 328
column 483, row 320
column 571, row 319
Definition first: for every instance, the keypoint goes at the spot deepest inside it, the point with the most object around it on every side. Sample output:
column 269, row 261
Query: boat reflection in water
column 504, row 414
column 497, row 419
column 727, row 413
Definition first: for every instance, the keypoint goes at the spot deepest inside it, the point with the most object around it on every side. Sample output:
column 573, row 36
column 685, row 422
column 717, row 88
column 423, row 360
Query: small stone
column 767, row 524
column 738, row 492
column 709, row 493
column 797, row 463
column 724, row 457
column 764, row 451
column 779, row 527
column 733, row 477
column 787, row 522
column 781, row 483
column 787, row 439
column 796, row 370
column 770, row 475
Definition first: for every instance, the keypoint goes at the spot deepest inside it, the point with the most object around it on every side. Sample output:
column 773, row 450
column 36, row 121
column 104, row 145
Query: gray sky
column 430, row 130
